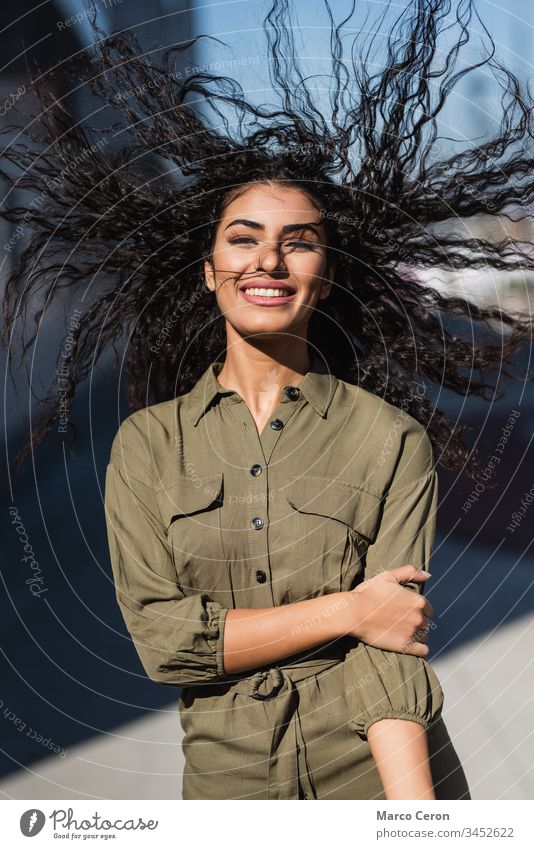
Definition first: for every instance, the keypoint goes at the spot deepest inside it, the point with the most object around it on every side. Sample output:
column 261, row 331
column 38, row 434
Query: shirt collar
column 317, row 386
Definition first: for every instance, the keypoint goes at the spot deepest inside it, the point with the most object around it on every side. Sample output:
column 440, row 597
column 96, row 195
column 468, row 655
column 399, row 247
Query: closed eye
column 237, row 240
column 301, row 243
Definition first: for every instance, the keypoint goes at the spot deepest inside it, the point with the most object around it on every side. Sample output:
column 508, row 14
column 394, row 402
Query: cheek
column 308, row 270
column 231, row 259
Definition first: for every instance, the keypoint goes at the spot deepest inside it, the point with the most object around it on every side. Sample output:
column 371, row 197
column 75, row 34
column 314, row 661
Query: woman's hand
column 388, row 616
column 379, row 612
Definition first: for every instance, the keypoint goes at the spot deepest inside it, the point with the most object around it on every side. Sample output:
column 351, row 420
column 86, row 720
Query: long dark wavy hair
column 371, row 161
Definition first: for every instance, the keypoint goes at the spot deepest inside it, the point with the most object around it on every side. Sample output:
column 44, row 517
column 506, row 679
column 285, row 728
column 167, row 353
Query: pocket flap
column 330, row 497
column 184, row 495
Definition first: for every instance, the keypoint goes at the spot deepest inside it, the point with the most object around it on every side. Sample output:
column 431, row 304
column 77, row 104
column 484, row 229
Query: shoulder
column 144, row 439
column 397, row 442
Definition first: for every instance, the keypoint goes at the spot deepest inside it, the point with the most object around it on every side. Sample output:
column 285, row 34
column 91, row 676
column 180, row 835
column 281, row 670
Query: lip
column 266, row 284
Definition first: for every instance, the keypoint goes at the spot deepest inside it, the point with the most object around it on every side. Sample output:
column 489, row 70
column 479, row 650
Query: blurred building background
column 78, row 716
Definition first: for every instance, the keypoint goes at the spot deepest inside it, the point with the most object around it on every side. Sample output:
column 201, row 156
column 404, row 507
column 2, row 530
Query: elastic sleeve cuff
column 219, row 645
column 395, row 714
column 389, row 685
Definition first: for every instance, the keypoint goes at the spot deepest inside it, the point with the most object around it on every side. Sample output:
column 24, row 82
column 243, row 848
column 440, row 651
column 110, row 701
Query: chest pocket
column 334, row 523
column 190, row 509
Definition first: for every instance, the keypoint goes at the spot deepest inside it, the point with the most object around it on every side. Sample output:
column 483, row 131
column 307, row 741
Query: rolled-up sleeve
column 393, row 685
column 179, row 639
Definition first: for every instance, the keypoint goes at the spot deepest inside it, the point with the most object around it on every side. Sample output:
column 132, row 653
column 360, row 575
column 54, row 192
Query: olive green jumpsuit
column 204, row 514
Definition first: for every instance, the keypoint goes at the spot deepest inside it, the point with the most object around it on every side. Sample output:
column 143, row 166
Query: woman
column 265, row 506
column 240, row 515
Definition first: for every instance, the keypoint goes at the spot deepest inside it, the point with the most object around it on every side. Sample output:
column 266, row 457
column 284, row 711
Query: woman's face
column 270, row 238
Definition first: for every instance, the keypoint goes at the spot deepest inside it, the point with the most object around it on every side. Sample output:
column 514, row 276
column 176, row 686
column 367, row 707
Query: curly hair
column 107, row 211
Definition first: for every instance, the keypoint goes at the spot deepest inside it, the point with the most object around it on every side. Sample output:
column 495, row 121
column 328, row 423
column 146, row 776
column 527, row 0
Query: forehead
column 274, row 202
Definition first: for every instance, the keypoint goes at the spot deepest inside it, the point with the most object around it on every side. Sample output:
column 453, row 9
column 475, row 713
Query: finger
column 430, row 624
column 428, row 610
column 422, row 634
column 417, row 649
column 407, row 573
column 425, row 629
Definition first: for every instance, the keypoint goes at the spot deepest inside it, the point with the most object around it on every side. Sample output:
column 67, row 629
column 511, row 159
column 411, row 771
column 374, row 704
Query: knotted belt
column 277, row 682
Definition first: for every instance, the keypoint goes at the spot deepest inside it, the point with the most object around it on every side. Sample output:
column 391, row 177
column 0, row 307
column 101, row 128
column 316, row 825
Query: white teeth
column 268, row 293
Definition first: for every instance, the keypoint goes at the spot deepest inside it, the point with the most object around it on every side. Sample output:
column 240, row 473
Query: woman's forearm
column 257, row 636
column 400, row 750
column 379, row 612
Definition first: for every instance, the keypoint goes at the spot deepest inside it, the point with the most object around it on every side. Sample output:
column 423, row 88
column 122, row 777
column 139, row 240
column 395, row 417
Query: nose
column 270, row 257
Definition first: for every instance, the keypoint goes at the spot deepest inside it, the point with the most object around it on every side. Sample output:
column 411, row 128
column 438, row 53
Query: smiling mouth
column 266, row 292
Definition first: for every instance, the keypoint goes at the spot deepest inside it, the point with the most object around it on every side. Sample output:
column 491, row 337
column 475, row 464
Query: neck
column 259, row 373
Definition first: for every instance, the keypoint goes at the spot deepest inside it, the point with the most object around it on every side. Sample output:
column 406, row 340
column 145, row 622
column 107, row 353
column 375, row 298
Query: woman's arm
column 393, row 698
column 400, row 751
column 254, row 637
column 180, row 639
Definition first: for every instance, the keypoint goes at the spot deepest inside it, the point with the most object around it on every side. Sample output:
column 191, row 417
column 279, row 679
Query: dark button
column 276, row 424
column 261, row 577
column 292, row 392
column 298, row 748
column 257, row 522
column 256, row 470
column 305, row 797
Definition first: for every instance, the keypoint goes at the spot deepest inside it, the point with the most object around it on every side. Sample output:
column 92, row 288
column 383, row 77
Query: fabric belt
column 267, row 682
column 287, row 756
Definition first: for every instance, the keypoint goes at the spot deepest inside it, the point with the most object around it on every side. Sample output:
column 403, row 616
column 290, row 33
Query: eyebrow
column 287, row 228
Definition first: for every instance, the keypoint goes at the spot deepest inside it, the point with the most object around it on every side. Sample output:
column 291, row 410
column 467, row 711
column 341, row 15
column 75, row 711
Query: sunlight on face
column 272, row 236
